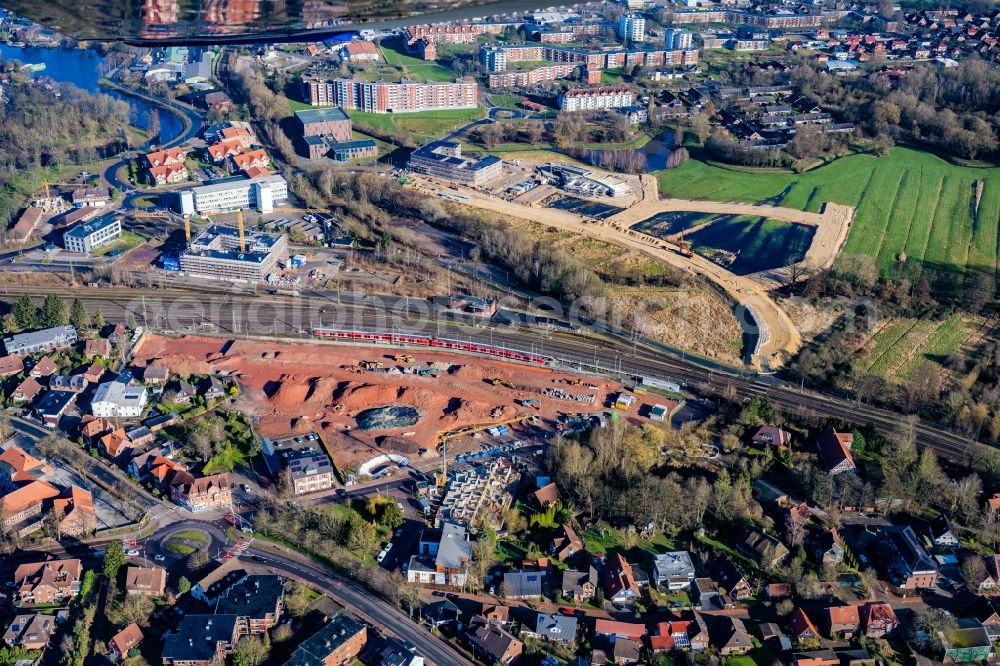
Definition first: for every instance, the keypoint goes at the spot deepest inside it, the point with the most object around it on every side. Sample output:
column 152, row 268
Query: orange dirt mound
column 291, row 392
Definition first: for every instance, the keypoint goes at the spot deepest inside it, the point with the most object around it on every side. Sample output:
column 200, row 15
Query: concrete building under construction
column 218, row 252
column 479, row 494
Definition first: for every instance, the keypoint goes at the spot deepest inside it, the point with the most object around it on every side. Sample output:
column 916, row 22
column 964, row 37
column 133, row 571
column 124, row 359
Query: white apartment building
column 594, row 99
column 88, row 236
column 115, row 399
column 262, row 194
column 632, row 27
column 675, row 38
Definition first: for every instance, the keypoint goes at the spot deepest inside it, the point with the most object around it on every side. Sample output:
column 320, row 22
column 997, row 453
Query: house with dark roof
column 256, row 600
column 802, row 627
column 555, row 627
column 580, row 586
column 909, row 565
column 766, row 549
column 835, row 451
column 626, row 651
column 30, row 631
column 523, row 584
column 200, row 640
column 729, row 635
column 339, row 642
column 566, row 543
column 729, row 578
column 942, row 533
column 53, row 406
column 489, row 640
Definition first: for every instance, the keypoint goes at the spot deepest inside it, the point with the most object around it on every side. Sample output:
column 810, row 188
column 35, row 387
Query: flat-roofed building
column 443, row 160
column 262, row 193
column 216, row 253
column 591, row 99
column 88, row 236
column 328, row 121
column 385, row 97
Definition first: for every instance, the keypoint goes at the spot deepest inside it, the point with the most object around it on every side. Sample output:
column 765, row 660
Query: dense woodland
column 38, row 129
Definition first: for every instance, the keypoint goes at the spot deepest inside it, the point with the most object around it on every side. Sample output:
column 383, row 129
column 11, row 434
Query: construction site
column 374, row 402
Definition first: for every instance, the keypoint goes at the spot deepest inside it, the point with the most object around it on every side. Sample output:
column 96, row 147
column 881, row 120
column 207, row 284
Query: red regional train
column 424, row 341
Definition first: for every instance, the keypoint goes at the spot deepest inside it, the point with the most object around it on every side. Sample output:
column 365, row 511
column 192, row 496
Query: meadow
column 901, row 345
column 910, row 202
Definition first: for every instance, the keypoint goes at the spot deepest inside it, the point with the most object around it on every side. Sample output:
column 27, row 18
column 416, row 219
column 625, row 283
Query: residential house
column 443, row 556
column 118, row 334
column 53, row 406
column 140, row 437
column 45, row 367
column 155, row 373
column 546, row 497
column 802, row 627
column 33, row 342
column 200, row 640
column 680, row 635
column 74, row 511
column 394, row 652
column 878, row 619
column 114, row 443
column 125, row 640
column 496, row 614
column 764, row 548
column 97, row 347
column 909, row 565
column 566, row 543
column 489, row 640
column 10, row 365
column 30, row 631
column 18, row 465
column 729, row 635
column 21, row 508
column 73, row 383
column 183, row 392
column 522, row 584
column 612, row 630
column 673, row 571
column 219, row 152
column 626, row 651
column 26, row 391
column 168, row 174
column 146, row 581
column 164, row 157
column 555, row 627
column 440, row 613
column 619, row 582
column 828, row 548
column 208, row 493
column 816, row 658
column 116, row 399
column 729, row 578
column 212, row 389
column 92, row 428
column 93, row 372
column 580, row 586
column 256, row 600
column 843, row 621
column 770, row 435
column 254, row 159
column 942, row 533
column 835, row 451
column 47, row 582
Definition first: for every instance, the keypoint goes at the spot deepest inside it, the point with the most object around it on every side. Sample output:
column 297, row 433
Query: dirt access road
column 779, row 338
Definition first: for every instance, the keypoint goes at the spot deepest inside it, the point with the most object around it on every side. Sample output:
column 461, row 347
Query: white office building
column 632, row 27
column 262, row 194
column 117, row 400
column 88, row 236
column 675, row 38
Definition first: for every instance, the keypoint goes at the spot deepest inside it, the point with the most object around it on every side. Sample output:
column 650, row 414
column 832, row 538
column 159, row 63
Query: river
column 81, row 67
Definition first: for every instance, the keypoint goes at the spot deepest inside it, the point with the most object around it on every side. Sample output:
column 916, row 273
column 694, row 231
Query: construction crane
column 239, row 225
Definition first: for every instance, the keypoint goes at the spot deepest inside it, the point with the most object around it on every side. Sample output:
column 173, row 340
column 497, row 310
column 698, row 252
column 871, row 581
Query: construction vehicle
column 403, row 358
column 372, row 365
column 576, row 381
column 499, row 382
column 338, row 407
column 530, row 402
column 684, row 247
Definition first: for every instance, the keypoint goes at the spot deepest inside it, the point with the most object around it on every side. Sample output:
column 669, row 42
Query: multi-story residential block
column 308, row 467
column 208, row 493
column 593, row 99
column 256, row 600
column 200, row 640
column 262, row 193
column 498, row 58
column 632, row 27
column 216, row 253
column 57, row 337
column 402, row 97
column 454, row 33
column 443, row 160
column 47, row 582
column 677, row 38
column 532, row 76
column 336, row 644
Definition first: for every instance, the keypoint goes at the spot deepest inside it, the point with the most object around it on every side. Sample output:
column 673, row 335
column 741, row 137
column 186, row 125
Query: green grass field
column 902, row 345
column 911, row 202
column 422, row 126
column 409, row 66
